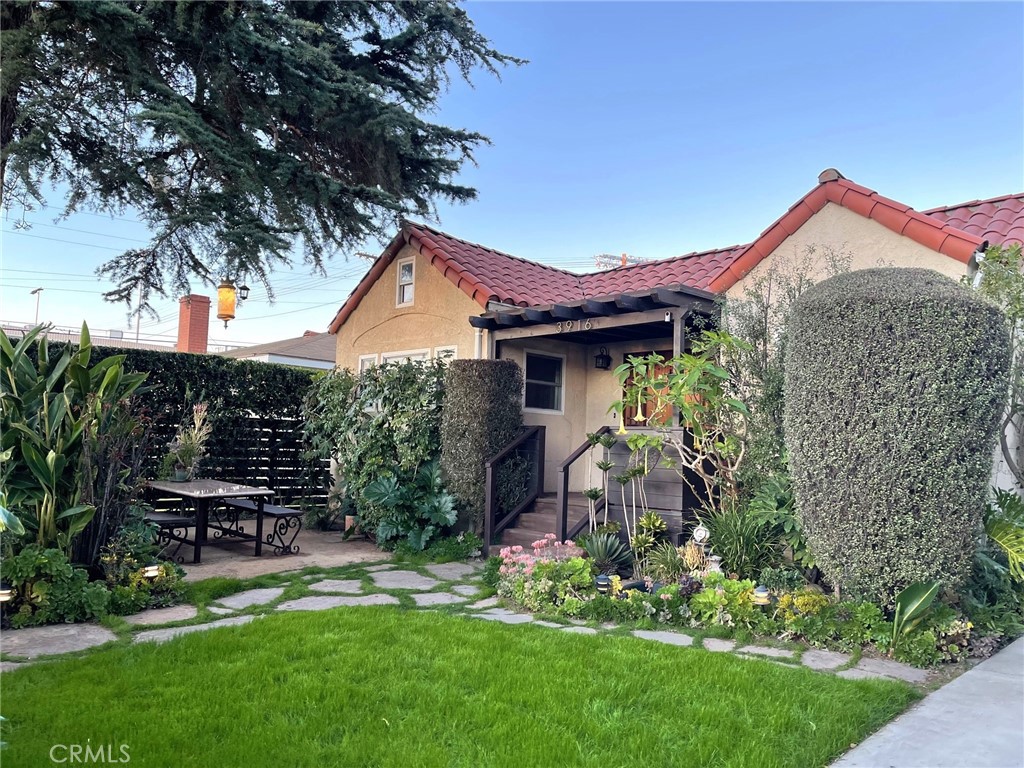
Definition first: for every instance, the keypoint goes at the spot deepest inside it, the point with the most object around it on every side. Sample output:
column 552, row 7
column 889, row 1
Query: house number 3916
column 569, row 325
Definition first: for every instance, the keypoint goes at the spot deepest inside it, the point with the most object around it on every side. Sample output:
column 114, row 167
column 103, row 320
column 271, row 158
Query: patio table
column 204, row 495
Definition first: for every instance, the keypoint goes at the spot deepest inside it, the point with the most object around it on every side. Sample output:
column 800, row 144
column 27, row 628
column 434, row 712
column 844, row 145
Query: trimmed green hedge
column 895, row 379
column 482, row 413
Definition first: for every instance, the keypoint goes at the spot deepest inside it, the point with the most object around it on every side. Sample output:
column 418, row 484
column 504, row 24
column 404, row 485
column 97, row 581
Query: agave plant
column 609, row 554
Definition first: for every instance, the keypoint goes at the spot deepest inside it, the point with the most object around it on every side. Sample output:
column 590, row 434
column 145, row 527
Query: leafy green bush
column 49, row 590
column 383, row 424
column 895, row 379
column 724, row 602
column 746, row 543
column 482, row 414
column 449, row 549
column 412, row 510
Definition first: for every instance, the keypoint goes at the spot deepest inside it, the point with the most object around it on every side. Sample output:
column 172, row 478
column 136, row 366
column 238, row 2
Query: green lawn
column 389, row 687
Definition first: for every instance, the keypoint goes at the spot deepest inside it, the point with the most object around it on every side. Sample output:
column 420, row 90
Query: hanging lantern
column 243, row 292
column 602, row 360
column 226, row 295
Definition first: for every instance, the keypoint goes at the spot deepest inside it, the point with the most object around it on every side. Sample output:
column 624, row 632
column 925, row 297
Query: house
column 431, row 294
column 311, row 350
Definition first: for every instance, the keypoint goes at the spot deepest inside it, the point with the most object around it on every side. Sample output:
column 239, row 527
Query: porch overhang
column 601, row 319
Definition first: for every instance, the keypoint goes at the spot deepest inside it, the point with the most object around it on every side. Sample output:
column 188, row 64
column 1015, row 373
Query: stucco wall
column 438, row 317
column 865, row 241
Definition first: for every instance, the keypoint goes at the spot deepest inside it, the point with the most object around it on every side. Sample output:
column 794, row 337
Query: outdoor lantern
column 6, row 593
column 762, row 596
column 701, row 534
column 602, row 360
column 151, row 571
column 243, row 292
column 714, row 564
column 226, row 301
column 603, row 583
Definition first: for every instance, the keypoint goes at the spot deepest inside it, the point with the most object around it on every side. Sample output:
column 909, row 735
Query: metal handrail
column 562, row 494
column 492, row 527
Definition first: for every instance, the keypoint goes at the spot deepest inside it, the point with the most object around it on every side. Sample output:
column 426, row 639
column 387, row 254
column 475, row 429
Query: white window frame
column 415, row 355
column 561, row 399
column 399, row 284
column 446, row 353
column 371, row 359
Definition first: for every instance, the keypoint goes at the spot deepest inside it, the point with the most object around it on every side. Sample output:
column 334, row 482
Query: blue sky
column 654, row 129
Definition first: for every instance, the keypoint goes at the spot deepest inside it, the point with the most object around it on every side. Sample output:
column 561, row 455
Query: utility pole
column 36, row 293
column 138, row 317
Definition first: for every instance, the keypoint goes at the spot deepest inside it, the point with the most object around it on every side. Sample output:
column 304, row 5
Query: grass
column 388, row 687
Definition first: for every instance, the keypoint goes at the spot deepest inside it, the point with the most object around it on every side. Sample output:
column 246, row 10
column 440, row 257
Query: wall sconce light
column 602, row 360
column 226, row 294
column 668, row 317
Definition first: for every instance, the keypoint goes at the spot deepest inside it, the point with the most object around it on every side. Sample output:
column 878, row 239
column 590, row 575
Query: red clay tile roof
column 485, row 274
column 999, row 220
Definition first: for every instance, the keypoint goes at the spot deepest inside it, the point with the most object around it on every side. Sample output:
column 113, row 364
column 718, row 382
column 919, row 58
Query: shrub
column 746, row 543
column 895, row 379
column 482, row 414
column 411, row 511
column 49, row 590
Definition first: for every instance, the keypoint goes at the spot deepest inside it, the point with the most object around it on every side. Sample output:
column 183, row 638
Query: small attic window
column 406, row 280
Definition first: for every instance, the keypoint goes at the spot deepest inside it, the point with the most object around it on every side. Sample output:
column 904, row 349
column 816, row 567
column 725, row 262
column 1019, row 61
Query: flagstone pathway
column 451, row 585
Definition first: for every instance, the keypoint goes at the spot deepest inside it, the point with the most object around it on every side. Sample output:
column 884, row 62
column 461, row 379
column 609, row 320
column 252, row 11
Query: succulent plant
column 609, row 554
column 665, row 564
column 652, row 524
column 689, row 586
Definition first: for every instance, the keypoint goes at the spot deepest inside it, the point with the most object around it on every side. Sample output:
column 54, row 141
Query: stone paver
column 163, row 635
column 893, row 669
column 10, row 666
column 437, row 598
column 487, row 602
column 381, row 567
column 338, row 585
column 322, row 603
column 821, row 660
column 58, row 638
column 452, row 571
column 609, row 625
column 671, row 638
column 580, row 630
column 717, row 645
column 403, row 580
column 163, row 615
column 549, row 624
column 505, row 616
column 218, row 611
column 974, row 720
column 466, row 589
column 764, row 650
column 251, row 597
column 859, row 674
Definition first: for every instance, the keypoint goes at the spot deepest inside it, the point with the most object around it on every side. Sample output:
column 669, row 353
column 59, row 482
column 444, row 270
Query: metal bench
column 287, row 524
column 171, row 528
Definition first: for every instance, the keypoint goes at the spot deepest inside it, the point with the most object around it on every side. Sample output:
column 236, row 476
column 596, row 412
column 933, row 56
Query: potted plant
column 188, row 446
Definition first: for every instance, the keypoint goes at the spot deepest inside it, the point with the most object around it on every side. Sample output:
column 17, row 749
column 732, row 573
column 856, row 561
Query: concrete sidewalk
column 976, row 721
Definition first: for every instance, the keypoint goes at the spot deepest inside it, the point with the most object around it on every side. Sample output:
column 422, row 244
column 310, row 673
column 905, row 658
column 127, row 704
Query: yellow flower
column 622, row 423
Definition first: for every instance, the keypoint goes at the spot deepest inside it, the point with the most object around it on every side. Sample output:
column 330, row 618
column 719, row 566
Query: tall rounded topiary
column 895, row 379
column 482, row 413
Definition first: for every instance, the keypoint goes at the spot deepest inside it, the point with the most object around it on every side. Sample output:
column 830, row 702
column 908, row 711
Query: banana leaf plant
column 45, row 404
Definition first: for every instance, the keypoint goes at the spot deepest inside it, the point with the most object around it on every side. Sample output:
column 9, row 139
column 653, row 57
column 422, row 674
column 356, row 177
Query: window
column 543, row 382
column 406, row 277
column 446, row 353
column 414, row 355
column 367, row 362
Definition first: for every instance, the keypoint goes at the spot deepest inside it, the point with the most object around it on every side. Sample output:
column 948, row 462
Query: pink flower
column 517, row 548
column 666, row 597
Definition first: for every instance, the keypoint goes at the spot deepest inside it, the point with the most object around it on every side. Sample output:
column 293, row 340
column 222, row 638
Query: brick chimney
column 193, row 323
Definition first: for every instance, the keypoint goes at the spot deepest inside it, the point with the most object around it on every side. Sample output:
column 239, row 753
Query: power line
column 82, row 231
column 58, row 240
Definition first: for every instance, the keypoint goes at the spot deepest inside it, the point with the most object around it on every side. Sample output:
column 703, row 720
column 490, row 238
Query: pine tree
column 239, row 130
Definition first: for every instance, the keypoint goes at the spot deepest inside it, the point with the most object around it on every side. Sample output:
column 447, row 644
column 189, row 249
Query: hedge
column 482, row 413
column 895, row 379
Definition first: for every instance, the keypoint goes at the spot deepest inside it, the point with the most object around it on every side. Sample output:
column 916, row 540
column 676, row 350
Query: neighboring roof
column 1000, row 220
column 487, row 275
column 318, row 346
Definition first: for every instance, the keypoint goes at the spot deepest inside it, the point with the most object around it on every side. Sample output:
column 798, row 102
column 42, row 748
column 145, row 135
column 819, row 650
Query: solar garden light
column 151, row 571
column 603, row 583
column 762, row 596
column 6, row 593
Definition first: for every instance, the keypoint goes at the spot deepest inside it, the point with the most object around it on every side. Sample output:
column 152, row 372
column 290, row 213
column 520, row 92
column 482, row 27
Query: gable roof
column 488, row 275
column 317, row 346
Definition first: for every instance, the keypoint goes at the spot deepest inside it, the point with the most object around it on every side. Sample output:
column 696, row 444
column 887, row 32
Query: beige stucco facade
column 866, row 242
column 437, row 318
